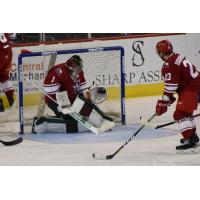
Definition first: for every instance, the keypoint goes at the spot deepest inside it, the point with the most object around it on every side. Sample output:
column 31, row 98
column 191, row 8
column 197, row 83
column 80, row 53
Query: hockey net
column 102, row 67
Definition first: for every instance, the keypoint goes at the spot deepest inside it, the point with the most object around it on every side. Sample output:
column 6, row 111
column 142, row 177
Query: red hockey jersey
column 59, row 79
column 4, row 41
column 5, row 56
column 179, row 75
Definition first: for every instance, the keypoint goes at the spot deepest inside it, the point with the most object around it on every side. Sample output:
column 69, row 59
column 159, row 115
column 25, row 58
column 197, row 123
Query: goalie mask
column 75, row 64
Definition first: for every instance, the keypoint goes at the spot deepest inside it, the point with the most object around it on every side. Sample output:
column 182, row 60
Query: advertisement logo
column 95, row 49
column 138, row 58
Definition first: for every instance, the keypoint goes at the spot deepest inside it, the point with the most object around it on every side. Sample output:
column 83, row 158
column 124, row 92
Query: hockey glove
column 161, row 107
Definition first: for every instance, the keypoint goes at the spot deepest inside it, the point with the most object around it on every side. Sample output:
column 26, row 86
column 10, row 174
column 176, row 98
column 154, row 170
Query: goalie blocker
column 65, row 123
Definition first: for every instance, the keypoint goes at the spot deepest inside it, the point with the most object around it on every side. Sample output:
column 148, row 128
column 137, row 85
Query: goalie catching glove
column 98, row 95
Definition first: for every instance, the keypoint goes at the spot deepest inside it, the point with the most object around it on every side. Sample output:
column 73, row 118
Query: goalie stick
column 12, row 142
column 108, row 157
column 154, row 126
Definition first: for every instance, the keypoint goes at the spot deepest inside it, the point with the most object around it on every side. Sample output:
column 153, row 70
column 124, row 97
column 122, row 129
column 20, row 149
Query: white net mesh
column 101, row 67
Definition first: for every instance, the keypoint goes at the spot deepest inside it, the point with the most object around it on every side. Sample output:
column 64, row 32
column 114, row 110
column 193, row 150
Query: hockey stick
column 13, row 142
column 154, row 126
column 108, row 157
column 73, row 114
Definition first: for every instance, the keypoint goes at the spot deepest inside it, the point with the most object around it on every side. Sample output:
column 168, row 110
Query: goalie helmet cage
column 66, row 54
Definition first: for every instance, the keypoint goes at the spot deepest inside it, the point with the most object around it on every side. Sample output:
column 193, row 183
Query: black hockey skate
column 188, row 143
column 195, row 137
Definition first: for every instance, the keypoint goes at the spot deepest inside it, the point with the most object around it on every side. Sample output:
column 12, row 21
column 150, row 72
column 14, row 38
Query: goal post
column 105, row 66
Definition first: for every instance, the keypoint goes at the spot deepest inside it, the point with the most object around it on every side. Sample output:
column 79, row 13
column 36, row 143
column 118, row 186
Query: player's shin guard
column 187, row 128
column 8, row 89
column 185, row 123
column 1, row 106
column 196, row 138
column 10, row 96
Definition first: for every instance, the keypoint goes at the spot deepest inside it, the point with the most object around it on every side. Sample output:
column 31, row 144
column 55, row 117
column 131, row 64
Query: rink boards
column 132, row 91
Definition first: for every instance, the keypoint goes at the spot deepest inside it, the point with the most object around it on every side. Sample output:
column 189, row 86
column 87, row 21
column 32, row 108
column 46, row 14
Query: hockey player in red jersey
column 183, row 78
column 5, row 67
column 68, row 77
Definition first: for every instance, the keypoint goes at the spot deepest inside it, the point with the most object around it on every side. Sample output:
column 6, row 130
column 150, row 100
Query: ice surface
column 149, row 147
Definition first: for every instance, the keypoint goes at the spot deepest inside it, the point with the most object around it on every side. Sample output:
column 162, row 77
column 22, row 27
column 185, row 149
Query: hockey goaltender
column 72, row 101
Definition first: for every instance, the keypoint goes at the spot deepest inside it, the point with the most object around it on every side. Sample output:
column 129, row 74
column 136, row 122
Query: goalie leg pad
column 95, row 119
column 54, row 125
column 85, row 107
column 93, row 114
column 71, row 124
column 106, row 125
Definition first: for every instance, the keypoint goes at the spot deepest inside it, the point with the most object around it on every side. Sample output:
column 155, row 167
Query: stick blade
column 102, row 157
column 13, row 142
